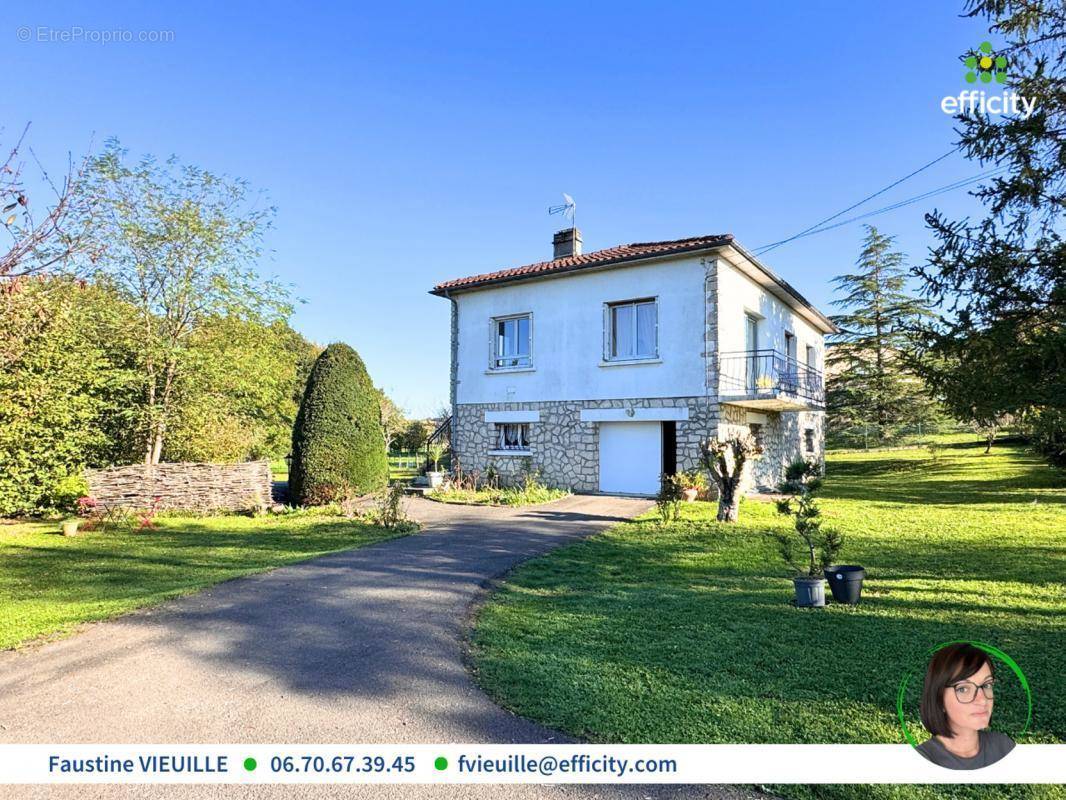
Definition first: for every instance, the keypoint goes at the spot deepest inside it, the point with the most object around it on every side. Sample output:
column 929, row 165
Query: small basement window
column 512, row 436
column 808, row 436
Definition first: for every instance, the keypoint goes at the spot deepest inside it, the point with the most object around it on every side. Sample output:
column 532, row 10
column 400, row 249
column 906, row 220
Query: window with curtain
column 633, row 330
column 513, row 342
column 512, row 436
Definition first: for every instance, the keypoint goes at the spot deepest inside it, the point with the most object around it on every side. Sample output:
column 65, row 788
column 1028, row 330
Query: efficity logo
column 985, row 65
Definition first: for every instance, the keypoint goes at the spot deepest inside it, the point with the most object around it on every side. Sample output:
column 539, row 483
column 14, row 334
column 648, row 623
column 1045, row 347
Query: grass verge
column 685, row 633
column 50, row 583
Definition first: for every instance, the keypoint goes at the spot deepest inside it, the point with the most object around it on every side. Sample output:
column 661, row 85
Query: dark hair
column 950, row 664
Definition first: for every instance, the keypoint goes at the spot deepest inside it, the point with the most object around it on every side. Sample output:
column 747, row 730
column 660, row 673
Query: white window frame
column 752, row 322
column 810, row 440
column 494, row 340
column 608, row 330
column 501, row 447
column 791, row 347
column 812, row 356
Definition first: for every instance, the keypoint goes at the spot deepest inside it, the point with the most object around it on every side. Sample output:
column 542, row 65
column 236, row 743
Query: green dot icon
column 250, row 764
column 986, row 77
column 441, row 763
column 986, row 47
column 971, row 77
column 1001, row 62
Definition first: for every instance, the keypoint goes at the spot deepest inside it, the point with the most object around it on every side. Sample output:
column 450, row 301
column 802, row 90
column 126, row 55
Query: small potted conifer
column 819, row 548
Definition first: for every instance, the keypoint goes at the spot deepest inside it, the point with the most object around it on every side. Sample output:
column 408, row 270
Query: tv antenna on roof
column 568, row 209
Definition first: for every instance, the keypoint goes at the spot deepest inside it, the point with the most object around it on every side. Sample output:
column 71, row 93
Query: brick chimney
column 567, row 243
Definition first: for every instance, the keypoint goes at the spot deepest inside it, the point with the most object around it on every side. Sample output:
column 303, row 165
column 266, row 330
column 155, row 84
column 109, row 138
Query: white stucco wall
column 738, row 295
column 568, row 320
column 568, row 333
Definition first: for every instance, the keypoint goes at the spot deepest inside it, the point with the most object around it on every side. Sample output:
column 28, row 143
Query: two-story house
column 605, row 369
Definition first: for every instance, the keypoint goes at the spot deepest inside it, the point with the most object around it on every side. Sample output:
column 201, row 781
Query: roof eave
column 826, row 323
column 821, row 319
column 444, row 291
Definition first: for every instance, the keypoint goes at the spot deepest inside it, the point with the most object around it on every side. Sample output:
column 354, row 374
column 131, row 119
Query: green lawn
column 686, row 634
column 405, row 466
column 279, row 469
column 50, row 583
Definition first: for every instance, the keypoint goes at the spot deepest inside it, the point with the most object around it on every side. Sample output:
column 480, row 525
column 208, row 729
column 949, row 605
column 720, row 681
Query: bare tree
column 40, row 241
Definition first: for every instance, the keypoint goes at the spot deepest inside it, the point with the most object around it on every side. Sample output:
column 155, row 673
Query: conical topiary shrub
column 337, row 443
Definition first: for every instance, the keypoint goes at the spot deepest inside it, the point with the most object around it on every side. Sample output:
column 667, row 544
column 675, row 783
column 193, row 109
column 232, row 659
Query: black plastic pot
column 810, row 592
column 845, row 583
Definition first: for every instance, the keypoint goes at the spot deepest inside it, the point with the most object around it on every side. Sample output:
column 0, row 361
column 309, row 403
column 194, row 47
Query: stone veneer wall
column 563, row 448
column 782, row 438
column 184, row 486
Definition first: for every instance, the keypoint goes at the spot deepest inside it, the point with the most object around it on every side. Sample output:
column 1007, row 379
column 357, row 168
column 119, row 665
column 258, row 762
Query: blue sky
column 404, row 144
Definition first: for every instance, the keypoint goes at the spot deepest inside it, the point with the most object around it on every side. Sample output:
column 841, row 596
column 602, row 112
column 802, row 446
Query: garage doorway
column 631, row 457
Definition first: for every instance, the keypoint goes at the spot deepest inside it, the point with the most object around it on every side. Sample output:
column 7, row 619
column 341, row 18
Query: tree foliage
column 999, row 345
column 238, row 396
column 414, row 435
column 62, row 388
column 393, row 422
column 870, row 386
column 337, row 443
column 71, row 388
column 177, row 242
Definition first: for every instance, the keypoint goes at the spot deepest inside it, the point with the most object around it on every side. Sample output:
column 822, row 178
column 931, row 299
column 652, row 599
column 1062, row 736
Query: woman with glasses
column 956, row 708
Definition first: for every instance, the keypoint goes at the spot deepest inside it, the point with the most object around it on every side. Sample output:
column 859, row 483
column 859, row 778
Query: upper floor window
column 751, row 332
column 790, row 345
column 812, row 356
column 512, row 341
column 633, row 330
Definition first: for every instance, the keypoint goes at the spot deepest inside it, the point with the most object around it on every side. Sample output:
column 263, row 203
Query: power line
column 768, row 247
column 910, row 200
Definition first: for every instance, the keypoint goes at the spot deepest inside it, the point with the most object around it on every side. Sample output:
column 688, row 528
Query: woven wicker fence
column 184, row 486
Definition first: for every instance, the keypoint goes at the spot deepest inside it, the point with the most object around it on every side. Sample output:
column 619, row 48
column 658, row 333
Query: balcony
column 769, row 381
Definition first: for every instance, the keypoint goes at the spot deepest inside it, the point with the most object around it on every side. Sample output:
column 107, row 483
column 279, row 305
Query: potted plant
column 434, row 476
column 819, row 548
column 86, row 508
column 694, row 483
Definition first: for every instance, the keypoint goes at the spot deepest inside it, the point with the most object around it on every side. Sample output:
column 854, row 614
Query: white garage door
column 630, row 457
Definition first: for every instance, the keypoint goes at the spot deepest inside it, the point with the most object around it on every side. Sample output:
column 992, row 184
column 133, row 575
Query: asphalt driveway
column 359, row 646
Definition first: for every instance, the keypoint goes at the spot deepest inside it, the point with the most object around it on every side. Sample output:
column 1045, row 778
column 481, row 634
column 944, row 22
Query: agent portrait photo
column 957, row 701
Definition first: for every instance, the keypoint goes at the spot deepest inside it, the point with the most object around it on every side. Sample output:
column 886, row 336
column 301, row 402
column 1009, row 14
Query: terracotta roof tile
column 598, row 258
